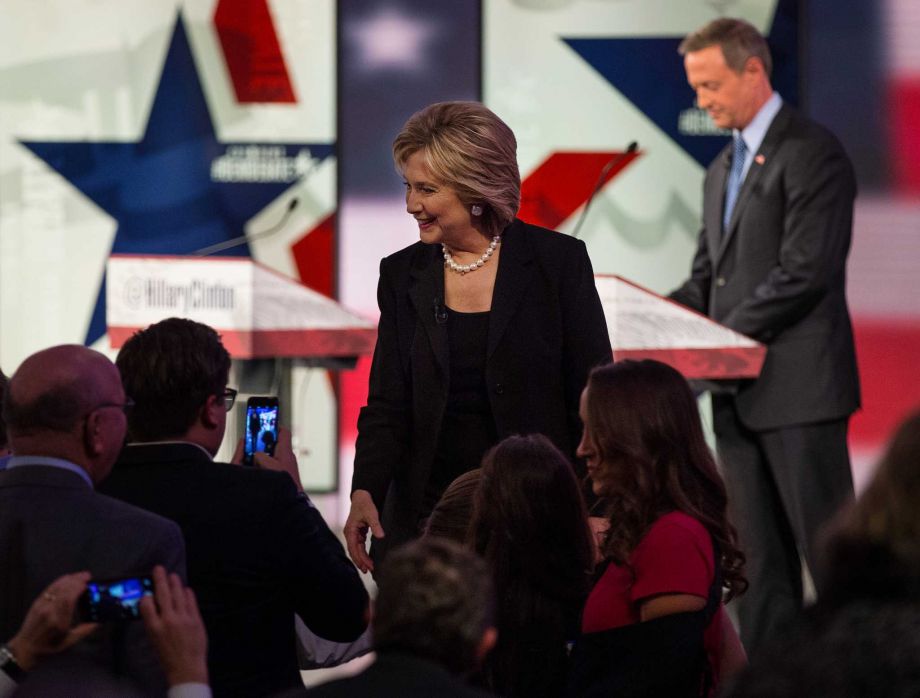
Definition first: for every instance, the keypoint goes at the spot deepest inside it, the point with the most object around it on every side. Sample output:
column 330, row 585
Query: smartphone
column 261, row 427
column 113, row 600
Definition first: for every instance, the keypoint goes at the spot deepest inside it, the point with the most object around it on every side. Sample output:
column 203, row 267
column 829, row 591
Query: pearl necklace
column 464, row 268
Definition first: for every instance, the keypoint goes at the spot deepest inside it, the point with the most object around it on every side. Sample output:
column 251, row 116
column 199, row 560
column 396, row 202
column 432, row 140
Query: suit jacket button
column 720, row 281
column 499, row 388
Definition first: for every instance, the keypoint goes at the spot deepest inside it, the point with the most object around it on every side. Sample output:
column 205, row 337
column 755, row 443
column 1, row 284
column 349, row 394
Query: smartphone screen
column 261, row 427
column 114, row 600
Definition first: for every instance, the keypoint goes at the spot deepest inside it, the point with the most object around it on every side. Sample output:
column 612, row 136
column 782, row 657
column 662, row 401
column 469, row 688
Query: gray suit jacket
column 778, row 274
column 52, row 523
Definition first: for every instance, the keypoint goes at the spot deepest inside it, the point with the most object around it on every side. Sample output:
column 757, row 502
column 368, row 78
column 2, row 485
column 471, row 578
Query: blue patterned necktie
column 734, row 180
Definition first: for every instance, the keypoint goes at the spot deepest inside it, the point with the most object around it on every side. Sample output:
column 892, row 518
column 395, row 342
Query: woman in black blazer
column 488, row 327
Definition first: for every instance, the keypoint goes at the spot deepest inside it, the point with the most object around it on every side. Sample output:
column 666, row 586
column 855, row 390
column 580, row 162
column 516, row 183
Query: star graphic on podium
column 178, row 189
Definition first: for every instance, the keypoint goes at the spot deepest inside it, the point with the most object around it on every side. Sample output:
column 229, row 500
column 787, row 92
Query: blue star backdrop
column 160, row 189
column 660, row 87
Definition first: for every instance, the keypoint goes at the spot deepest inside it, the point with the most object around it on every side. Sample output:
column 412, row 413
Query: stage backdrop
column 164, row 128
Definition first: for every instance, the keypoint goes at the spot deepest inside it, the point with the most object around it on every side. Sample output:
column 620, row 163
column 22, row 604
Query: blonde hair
column 471, row 150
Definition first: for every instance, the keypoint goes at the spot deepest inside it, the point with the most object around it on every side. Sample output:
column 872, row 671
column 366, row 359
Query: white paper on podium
column 258, row 312
column 644, row 325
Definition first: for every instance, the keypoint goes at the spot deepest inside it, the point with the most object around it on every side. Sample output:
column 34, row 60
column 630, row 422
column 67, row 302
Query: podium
column 644, row 325
column 258, row 312
column 278, row 332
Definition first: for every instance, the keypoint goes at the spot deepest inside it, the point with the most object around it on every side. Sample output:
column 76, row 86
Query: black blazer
column 546, row 331
column 257, row 554
column 778, row 274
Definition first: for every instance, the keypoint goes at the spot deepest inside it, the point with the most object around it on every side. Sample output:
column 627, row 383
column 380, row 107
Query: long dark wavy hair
column 653, row 459
column 530, row 524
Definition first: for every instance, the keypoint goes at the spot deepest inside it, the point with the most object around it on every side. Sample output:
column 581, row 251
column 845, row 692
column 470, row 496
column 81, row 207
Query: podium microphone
column 630, row 149
column 243, row 239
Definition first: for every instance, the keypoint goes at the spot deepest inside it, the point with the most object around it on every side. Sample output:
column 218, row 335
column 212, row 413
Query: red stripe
column 562, row 183
column 887, row 354
column 313, row 256
column 723, row 362
column 903, row 120
column 251, row 51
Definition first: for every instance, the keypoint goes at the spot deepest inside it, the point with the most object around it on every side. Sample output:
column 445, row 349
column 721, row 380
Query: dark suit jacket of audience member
column 52, row 523
column 258, row 552
column 395, row 675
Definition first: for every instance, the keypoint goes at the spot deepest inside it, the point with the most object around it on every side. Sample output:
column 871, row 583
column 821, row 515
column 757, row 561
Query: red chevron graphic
column 562, row 183
column 313, row 256
column 251, row 51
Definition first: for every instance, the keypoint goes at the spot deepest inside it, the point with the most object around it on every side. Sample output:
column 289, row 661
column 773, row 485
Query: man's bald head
column 54, row 388
column 52, row 396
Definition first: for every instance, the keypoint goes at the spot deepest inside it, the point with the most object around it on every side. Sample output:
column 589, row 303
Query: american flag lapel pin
column 760, row 159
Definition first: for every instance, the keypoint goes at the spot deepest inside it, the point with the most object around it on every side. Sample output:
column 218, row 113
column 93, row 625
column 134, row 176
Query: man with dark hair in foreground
column 258, row 551
column 65, row 414
column 433, row 624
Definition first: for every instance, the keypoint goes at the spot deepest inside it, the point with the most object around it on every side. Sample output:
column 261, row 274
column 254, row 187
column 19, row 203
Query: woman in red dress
column 669, row 549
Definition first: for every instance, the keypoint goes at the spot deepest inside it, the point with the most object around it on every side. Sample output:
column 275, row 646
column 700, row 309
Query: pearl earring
column 476, row 210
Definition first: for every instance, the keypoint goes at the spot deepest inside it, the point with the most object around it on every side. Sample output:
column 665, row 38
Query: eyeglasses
column 125, row 406
column 229, row 396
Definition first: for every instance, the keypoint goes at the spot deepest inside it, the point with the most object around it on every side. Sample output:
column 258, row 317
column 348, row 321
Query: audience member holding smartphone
column 258, row 550
column 65, row 413
column 170, row 616
column 47, row 629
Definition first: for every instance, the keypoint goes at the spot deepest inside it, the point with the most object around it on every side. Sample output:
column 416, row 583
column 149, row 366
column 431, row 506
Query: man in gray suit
column 771, row 264
column 65, row 415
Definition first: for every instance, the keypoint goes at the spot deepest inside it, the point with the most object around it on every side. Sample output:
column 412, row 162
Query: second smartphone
column 261, row 427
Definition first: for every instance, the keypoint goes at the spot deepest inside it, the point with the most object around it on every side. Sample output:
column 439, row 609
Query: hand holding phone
column 175, row 627
column 283, row 460
column 261, row 427
column 48, row 626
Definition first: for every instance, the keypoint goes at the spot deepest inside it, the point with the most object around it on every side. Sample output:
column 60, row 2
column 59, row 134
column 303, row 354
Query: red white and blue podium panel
column 644, row 325
column 258, row 312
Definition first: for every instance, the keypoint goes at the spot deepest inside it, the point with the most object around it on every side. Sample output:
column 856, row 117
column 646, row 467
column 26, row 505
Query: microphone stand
column 630, row 149
column 243, row 239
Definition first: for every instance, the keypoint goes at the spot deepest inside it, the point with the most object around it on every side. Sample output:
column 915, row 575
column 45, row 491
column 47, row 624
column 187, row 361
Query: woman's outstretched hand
column 362, row 517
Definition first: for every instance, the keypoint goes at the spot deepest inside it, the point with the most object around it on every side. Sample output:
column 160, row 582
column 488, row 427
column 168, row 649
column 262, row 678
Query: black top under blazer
column 546, row 331
column 778, row 274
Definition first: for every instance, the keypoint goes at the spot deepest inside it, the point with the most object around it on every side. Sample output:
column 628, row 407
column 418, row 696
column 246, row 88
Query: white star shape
column 392, row 40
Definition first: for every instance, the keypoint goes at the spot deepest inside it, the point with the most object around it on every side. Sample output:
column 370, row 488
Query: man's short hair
column 435, row 601
column 169, row 370
column 738, row 39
